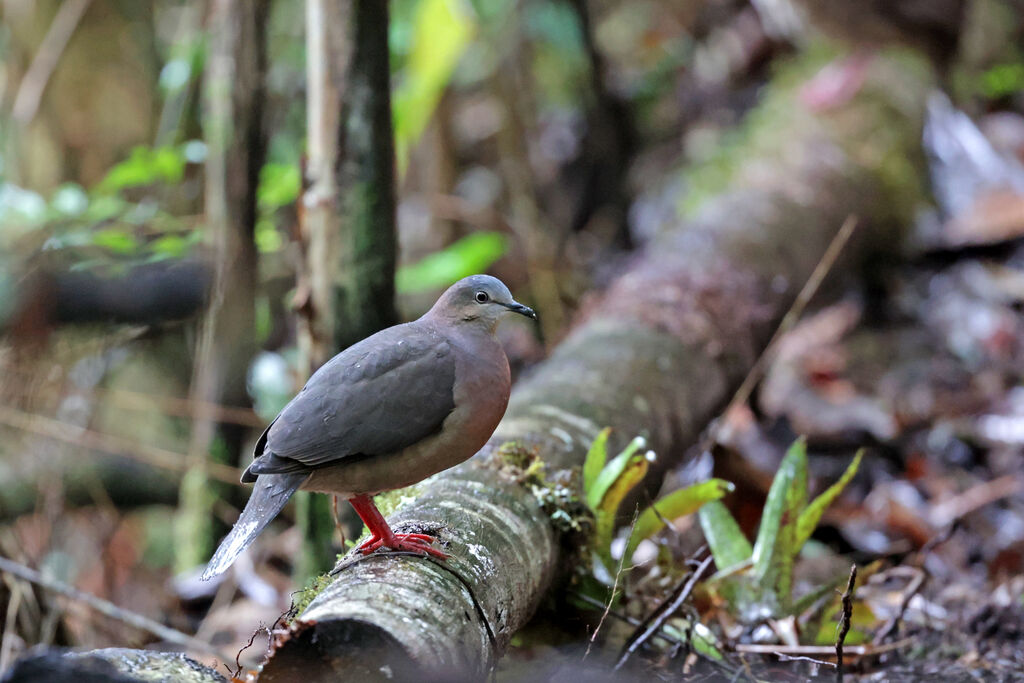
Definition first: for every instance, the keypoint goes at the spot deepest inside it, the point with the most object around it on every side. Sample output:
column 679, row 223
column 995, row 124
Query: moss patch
column 305, row 596
column 389, row 501
column 558, row 495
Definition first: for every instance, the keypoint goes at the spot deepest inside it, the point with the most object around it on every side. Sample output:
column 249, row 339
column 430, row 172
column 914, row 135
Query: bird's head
column 479, row 300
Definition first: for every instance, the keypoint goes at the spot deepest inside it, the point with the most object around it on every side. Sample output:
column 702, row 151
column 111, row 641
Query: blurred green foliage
column 1003, row 80
column 441, row 31
column 472, row 254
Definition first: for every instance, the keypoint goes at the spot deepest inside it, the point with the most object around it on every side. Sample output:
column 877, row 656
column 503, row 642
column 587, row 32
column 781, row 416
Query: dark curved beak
column 516, row 307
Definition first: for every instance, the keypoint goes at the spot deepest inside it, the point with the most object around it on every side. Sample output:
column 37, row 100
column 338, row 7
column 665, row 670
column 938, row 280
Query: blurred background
column 171, row 179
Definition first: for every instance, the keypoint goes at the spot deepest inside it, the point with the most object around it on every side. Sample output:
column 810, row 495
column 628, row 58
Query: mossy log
column 659, row 353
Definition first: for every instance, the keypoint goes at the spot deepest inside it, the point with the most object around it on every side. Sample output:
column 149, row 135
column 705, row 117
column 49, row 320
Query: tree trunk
column 369, row 239
column 236, row 141
column 348, row 224
column 659, row 354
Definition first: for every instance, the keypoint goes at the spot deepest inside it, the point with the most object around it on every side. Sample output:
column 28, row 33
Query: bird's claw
column 414, row 543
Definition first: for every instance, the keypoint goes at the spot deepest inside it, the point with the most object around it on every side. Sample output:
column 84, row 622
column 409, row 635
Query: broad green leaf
column 145, row 166
column 472, row 254
column 673, row 506
column 631, row 475
column 612, row 471
column 701, row 637
column 442, row 31
column 810, row 517
column 780, row 574
column 596, row 458
column 117, row 241
column 728, row 544
column 175, row 245
column 767, row 549
column 1002, row 80
column 705, row 642
column 279, row 186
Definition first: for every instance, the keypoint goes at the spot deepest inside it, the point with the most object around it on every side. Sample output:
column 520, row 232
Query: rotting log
column 659, row 353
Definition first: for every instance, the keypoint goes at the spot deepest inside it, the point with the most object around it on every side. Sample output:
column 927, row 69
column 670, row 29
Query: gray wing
column 379, row 396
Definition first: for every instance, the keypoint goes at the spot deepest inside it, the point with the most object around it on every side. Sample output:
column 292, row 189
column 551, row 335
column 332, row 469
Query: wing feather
column 378, row 396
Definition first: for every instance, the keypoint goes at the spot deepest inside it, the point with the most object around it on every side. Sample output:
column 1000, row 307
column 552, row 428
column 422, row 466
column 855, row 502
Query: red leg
column 381, row 535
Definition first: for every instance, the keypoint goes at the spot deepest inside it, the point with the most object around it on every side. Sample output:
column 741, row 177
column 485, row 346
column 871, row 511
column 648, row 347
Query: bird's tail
column 269, row 495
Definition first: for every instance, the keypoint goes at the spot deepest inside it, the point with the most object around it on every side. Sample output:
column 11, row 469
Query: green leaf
column 173, row 246
column 117, row 241
column 612, row 471
column 673, row 506
column 472, row 254
column 605, row 514
column 767, row 548
column 145, row 166
column 728, row 545
column 810, row 517
column 442, row 31
column 596, row 458
column 1002, row 80
column 279, row 186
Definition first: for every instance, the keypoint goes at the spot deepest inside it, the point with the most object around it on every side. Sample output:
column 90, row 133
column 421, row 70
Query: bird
column 387, row 412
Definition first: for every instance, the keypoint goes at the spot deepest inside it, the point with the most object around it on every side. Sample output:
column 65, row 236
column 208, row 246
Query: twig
column 109, row 609
column 821, row 650
column 30, row 90
column 614, row 589
column 844, row 622
column 802, row 658
column 661, row 614
column 975, row 497
column 238, row 656
column 917, row 578
column 7, row 642
column 625, row 618
column 807, row 292
column 115, row 445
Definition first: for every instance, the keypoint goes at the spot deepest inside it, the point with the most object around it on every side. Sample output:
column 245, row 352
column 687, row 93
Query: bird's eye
column 482, row 298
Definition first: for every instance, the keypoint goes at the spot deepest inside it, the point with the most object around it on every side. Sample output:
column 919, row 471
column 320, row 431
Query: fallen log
column 658, row 354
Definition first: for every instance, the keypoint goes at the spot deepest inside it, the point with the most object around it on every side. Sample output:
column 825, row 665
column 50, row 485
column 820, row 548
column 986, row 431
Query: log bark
column 113, row 665
column 659, row 354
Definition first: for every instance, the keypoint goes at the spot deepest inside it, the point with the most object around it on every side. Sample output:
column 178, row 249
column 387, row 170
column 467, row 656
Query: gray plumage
column 349, row 405
column 403, row 404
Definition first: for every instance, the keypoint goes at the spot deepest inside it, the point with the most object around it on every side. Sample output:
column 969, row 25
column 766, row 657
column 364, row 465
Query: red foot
column 381, row 535
column 415, row 543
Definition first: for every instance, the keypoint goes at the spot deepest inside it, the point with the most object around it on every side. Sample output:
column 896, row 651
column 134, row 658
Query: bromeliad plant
column 606, row 483
column 756, row 582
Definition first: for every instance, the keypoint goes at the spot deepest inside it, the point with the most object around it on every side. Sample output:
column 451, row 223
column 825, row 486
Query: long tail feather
column 269, row 495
